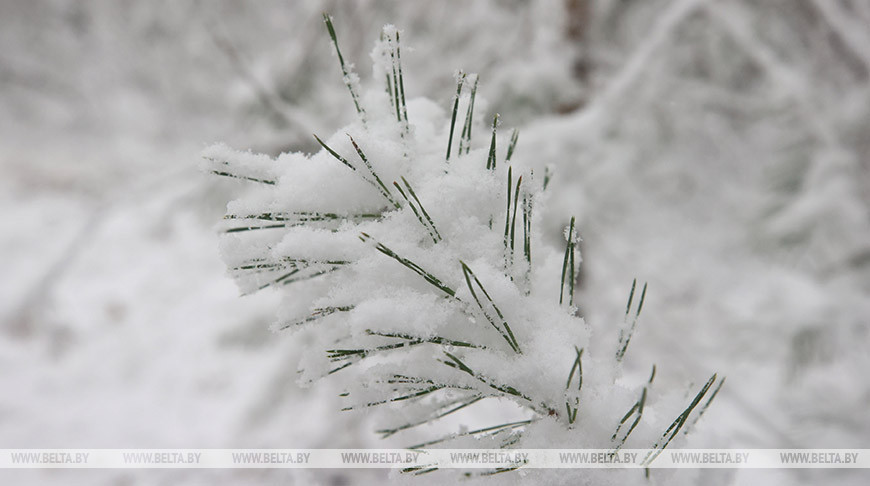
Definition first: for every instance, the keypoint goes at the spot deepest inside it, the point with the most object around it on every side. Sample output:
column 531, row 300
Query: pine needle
column 455, row 109
column 401, row 82
column 316, row 315
column 578, row 368
column 245, row 178
column 706, row 404
column 408, row 341
column 241, row 229
column 636, row 408
column 433, row 339
column 625, row 335
column 345, row 71
column 428, row 277
column 453, row 406
column 295, row 275
column 514, row 216
column 507, row 389
column 465, row 137
column 568, row 267
column 396, row 99
column 486, row 430
column 301, row 217
column 421, row 214
column 510, row 222
column 515, row 135
column 336, row 155
column 507, row 216
column 527, row 239
column 490, row 161
column 400, row 398
column 675, row 427
column 225, row 172
column 385, row 191
column 502, row 327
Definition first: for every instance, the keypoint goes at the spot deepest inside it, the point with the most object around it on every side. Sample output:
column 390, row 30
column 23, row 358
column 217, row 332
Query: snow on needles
column 434, row 286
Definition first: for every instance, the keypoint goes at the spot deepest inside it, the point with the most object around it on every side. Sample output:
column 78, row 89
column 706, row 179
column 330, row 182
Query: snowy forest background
column 718, row 149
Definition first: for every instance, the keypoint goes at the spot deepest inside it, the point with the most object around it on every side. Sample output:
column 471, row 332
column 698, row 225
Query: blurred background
column 718, row 149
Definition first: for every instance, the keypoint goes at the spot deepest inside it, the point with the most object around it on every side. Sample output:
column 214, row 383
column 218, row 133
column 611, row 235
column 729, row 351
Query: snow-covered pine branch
column 414, row 265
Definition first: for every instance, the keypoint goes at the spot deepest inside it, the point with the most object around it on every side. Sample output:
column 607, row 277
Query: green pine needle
column 625, row 335
column 465, row 137
column 675, row 427
column 421, row 214
column 578, row 368
column 502, row 327
column 514, row 216
column 507, row 216
column 486, row 430
column 490, row 161
column 296, row 275
column 706, row 404
column 401, row 82
column 453, row 406
column 346, row 73
column 568, row 267
column 385, row 191
column 637, row 407
column 507, row 389
column 396, row 100
column 428, row 277
column 527, row 238
column 227, row 173
column 400, row 398
column 515, row 135
column 455, row 109
column 335, row 154
column 316, row 315
column 304, row 217
column 245, row 178
column 434, row 339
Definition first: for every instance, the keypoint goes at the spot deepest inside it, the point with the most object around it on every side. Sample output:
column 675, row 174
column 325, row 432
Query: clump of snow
column 571, row 235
